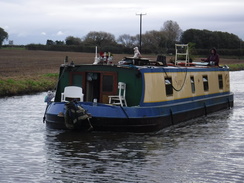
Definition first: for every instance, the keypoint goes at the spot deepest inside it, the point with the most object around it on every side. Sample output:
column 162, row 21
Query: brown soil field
column 24, row 63
column 21, row 63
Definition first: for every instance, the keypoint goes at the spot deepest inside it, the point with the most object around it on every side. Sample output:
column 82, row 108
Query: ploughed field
column 23, row 63
column 27, row 63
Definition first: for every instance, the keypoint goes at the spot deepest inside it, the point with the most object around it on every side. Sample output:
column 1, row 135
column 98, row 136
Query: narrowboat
column 136, row 94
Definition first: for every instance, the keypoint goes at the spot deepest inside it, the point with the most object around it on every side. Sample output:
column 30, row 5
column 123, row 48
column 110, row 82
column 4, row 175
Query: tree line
column 155, row 41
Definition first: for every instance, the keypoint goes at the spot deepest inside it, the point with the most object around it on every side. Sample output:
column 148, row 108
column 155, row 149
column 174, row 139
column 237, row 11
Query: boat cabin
column 144, row 84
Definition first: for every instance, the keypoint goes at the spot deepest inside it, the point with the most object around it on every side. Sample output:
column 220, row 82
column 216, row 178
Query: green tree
column 3, row 36
column 207, row 39
column 100, row 39
column 59, row 42
column 70, row 40
column 50, row 42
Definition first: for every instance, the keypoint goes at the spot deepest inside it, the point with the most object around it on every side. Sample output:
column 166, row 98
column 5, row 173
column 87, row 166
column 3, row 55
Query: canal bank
column 27, row 85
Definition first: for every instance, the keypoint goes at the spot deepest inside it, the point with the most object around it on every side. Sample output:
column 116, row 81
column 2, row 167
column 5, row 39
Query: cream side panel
column 226, row 81
column 155, row 85
column 181, row 82
column 213, row 82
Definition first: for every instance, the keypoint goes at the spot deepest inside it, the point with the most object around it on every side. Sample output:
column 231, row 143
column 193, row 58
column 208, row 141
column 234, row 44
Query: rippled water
column 207, row 149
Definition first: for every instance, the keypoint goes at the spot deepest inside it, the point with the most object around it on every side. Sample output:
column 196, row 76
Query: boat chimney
column 66, row 60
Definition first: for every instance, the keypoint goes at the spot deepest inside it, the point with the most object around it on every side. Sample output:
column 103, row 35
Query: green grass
column 10, row 87
column 55, row 75
column 236, row 67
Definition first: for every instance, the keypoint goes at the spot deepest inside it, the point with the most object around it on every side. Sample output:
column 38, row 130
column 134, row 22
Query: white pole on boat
column 96, row 59
column 141, row 14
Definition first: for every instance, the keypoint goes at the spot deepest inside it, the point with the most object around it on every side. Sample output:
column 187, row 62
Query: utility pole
column 140, row 14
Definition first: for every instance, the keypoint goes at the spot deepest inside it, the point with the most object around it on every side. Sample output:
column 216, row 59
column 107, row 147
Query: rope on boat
column 124, row 112
column 91, row 127
column 183, row 82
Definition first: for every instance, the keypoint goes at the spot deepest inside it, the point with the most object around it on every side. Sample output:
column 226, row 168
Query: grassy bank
column 236, row 67
column 27, row 85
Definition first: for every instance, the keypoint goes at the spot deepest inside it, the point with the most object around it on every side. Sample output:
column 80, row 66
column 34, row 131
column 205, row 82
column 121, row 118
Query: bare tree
column 126, row 40
column 172, row 32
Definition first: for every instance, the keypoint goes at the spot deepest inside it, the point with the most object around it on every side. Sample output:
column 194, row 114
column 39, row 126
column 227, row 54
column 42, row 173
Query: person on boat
column 137, row 53
column 49, row 97
column 213, row 58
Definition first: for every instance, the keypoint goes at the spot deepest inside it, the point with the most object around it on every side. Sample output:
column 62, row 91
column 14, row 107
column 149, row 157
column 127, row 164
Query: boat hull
column 139, row 119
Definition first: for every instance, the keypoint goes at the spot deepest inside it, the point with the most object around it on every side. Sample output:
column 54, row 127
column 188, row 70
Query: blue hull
column 140, row 119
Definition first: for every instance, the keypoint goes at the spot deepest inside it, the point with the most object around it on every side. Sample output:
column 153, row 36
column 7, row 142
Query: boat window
column 205, row 83
column 168, row 86
column 220, row 77
column 107, row 83
column 192, row 84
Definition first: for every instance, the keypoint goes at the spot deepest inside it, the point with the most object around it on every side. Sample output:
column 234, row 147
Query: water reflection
column 95, row 154
column 125, row 156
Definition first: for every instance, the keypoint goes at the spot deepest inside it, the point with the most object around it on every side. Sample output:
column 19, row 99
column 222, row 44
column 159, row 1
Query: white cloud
column 60, row 33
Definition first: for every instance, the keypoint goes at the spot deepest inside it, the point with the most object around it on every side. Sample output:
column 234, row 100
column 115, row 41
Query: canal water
column 206, row 149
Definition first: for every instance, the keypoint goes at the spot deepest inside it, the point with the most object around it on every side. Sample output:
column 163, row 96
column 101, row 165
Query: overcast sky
column 35, row 21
